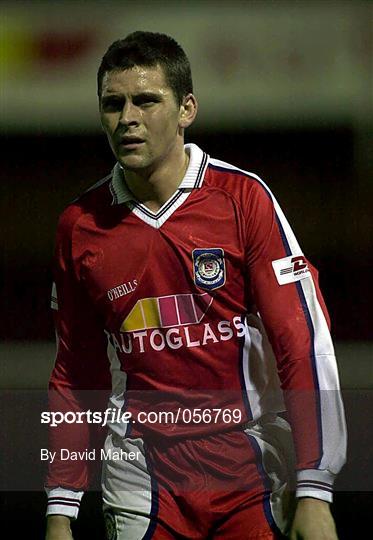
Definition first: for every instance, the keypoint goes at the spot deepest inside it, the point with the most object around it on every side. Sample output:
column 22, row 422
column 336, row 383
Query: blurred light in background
column 269, row 63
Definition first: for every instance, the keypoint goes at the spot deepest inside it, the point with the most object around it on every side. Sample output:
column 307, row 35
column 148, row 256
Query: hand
column 313, row 521
column 58, row 528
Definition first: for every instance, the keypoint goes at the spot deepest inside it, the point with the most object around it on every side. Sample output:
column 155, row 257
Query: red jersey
column 208, row 305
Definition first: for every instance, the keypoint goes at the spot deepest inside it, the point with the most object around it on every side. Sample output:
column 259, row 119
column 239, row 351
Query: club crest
column 209, row 268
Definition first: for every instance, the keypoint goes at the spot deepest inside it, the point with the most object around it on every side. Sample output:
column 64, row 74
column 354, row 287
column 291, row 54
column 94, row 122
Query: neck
column 154, row 187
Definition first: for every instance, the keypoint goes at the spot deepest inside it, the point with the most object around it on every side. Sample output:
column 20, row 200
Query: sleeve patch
column 291, row 269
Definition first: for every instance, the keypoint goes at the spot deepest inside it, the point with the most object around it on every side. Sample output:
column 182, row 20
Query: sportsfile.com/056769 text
column 111, row 416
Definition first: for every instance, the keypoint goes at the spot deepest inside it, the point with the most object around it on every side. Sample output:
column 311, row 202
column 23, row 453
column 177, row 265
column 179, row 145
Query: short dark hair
column 149, row 49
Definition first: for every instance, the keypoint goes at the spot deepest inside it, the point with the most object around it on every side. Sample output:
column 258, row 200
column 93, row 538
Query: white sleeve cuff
column 316, row 484
column 63, row 502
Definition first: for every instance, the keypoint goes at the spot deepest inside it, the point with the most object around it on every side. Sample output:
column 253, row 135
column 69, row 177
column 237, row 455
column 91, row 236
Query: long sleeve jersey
column 207, row 304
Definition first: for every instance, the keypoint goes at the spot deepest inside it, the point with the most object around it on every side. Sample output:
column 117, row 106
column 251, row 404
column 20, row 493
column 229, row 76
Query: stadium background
column 285, row 91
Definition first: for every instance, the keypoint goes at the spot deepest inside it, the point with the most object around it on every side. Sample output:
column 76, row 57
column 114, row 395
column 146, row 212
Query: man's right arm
column 58, row 528
column 79, row 382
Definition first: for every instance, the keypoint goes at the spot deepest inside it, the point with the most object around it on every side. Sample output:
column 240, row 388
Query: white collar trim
column 193, row 179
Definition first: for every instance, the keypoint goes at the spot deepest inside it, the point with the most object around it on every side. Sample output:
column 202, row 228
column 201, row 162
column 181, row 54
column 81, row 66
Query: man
column 171, row 272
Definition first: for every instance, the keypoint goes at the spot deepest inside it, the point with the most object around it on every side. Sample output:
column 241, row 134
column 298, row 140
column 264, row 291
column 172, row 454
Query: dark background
column 321, row 182
column 313, row 173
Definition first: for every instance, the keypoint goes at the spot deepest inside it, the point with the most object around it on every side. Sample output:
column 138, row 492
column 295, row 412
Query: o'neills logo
column 122, row 290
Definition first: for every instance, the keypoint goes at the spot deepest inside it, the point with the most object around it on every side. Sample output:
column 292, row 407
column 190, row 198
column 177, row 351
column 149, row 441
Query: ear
column 188, row 111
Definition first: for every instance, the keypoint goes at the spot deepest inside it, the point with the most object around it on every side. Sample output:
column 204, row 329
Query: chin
column 132, row 163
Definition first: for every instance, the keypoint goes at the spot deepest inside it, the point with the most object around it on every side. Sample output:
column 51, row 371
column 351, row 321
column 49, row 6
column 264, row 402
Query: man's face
column 140, row 116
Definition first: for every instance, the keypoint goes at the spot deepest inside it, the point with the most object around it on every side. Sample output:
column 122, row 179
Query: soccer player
column 180, row 285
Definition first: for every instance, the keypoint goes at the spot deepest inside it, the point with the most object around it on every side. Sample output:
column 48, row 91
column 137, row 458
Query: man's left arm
column 313, row 520
column 285, row 289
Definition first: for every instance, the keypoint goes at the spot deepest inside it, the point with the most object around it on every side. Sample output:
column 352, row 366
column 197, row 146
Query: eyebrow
column 146, row 94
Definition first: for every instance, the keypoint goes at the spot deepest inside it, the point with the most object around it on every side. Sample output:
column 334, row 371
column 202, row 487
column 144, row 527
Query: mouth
column 130, row 143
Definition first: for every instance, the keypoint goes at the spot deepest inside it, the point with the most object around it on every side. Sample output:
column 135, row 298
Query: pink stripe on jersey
column 186, row 311
column 168, row 312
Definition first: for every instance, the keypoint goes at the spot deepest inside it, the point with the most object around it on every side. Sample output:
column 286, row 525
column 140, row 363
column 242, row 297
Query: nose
column 129, row 115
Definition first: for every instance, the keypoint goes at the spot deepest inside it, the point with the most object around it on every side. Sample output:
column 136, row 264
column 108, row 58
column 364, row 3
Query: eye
column 145, row 101
column 111, row 104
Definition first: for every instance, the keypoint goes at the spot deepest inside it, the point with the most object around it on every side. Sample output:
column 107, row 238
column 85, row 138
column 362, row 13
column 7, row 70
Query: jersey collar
column 193, row 179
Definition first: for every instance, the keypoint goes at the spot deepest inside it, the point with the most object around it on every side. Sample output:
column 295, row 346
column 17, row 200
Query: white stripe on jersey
column 259, row 370
column 331, row 407
column 157, row 223
column 118, row 388
column 127, row 486
column 277, row 459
